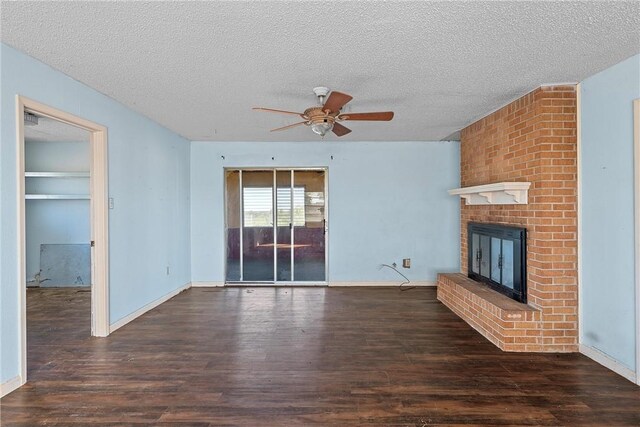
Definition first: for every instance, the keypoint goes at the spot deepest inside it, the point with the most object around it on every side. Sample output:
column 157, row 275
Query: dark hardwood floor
column 299, row 356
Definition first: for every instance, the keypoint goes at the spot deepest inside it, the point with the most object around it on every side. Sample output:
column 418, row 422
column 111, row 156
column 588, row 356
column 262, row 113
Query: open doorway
column 63, row 234
column 58, row 236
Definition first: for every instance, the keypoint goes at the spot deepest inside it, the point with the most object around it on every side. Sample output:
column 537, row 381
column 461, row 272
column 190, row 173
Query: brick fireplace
column 533, row 139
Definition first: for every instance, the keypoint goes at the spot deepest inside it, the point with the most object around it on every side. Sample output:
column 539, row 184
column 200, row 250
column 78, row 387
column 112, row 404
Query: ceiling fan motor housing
column 321, row 122
column 316, row 115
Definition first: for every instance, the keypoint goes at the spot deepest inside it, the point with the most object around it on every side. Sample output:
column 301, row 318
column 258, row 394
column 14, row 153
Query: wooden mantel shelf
column 499, row 193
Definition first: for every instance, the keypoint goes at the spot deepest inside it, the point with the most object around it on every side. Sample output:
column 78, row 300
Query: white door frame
column 99, row 219
column 636, row 184
column 294, row 169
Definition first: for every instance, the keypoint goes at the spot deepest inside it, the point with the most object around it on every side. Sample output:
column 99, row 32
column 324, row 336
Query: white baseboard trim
column 10, row 385
column 142, row 310
column 330, row 284
column 608, row 362
column 207, row 284
column 377, row 284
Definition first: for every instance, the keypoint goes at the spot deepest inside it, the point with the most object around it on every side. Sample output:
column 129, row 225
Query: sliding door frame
column 274, row 170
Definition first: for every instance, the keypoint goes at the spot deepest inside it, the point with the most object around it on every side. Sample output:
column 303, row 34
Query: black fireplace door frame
column 518, row 236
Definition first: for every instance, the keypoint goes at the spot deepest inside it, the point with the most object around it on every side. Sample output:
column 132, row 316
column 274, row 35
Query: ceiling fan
column 326, row 116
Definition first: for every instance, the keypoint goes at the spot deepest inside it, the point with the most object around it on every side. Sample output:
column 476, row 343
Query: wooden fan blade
column 271, row 110
column 336, row 101
column 340, row 130
column 289, row 126
column 384, row 116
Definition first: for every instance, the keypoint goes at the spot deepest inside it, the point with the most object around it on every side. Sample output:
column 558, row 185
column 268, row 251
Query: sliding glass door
column 284, row 218
column 309, row 225
column 276, row 225
column 257, row 230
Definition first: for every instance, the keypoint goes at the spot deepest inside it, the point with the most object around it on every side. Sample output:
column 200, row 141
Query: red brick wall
column 533, row 139
column 509, row 325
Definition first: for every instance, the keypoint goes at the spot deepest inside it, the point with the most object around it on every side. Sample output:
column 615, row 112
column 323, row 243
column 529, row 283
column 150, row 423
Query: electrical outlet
column 406, row 263
column 111, row 203
column 167, row 270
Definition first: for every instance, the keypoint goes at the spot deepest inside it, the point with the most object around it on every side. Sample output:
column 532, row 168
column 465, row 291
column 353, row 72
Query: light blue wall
column 148, row 178
column 387, row 201
column 607, row 303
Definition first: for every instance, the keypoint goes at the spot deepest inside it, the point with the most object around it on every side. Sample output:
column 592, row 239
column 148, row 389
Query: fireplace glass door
column 275, row 226
column 497, row 258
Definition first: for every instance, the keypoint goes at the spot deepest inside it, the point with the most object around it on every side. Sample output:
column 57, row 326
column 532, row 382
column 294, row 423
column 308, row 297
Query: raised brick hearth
column 533, row 139
column 510, row 325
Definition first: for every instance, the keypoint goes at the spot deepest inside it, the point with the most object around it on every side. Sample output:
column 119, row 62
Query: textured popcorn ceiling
column 199, row 67
column 50, row 130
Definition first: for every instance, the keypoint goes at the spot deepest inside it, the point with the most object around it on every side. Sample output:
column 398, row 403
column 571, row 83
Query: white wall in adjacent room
column 55, row 221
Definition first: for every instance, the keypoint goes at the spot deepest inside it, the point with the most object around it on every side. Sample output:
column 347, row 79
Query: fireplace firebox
column 497, row 257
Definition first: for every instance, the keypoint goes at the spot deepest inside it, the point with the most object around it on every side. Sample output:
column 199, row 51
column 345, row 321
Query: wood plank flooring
column 298, row 356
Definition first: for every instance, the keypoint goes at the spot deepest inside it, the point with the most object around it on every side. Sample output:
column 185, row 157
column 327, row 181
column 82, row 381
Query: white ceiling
column 198, row 67
column 50, row 130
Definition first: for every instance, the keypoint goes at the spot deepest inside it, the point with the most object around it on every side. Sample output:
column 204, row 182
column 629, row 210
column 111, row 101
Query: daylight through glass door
column 275, row 226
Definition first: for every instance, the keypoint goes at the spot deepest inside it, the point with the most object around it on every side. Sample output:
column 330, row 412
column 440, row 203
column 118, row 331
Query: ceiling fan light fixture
column 326, row 116
column 322, row 128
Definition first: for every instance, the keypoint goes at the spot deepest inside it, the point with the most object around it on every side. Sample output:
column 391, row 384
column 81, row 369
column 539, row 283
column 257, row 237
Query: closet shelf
column 57, row 197
column 56, row 174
